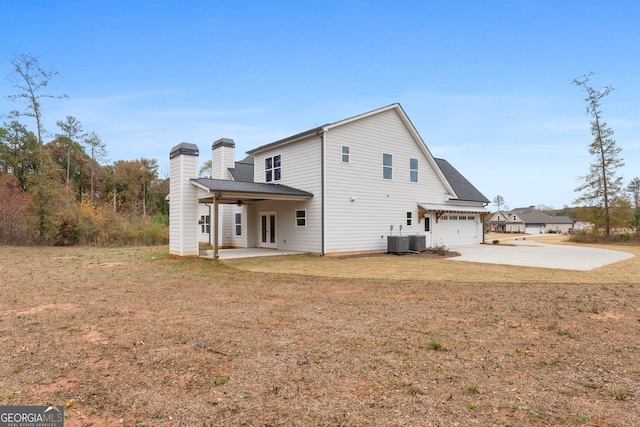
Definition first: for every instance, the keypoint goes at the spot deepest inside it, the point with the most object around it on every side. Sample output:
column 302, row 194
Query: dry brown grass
column 136, row 338
column 440, row 269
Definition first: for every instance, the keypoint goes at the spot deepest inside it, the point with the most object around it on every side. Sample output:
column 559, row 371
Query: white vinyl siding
column 183, row 217
column 364, row 224
column 302, row 162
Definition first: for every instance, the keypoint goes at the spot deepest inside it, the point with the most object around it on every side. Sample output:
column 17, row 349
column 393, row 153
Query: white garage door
column 458, row 230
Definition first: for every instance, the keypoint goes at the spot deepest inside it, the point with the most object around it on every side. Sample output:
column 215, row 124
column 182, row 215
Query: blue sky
column 486, row 83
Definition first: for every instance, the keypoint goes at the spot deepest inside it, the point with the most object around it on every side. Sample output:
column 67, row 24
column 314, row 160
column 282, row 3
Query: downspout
column 321, row 133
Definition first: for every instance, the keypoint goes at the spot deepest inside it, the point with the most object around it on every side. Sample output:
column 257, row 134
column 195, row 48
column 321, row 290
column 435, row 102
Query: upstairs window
column 413, row 170
column 345, row 154
column 387, row 166
column 272, row 168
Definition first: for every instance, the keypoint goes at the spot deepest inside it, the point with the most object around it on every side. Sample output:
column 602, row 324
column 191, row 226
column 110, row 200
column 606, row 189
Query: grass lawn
column 131, row 337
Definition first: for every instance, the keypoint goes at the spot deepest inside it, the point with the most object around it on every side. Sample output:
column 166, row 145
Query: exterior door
column 428, row 229
column 268, row 230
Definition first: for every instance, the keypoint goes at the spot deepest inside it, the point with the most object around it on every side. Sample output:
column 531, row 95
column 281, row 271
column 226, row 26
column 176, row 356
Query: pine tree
column 601, row 186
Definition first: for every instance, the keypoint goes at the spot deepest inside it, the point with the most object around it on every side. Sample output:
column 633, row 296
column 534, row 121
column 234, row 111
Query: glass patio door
column 268, row 230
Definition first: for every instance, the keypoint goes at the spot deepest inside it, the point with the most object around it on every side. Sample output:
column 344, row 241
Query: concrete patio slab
column 529, row 253
column 248, row 253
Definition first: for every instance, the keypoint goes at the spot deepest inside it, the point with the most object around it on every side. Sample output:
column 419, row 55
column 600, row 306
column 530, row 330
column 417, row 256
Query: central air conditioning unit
column 397, row 244
column 417, row 243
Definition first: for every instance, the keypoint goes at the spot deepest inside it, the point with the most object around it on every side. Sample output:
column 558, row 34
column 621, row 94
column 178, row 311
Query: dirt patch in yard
column 157, row 341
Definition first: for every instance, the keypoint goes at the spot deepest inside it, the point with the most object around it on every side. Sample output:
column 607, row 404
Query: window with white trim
column 205, row 224
column 413, row 170
column 409, row 218
column 238, row 224
column 387, row 166
column 272, row 168
column 301, row 218
column 345, row 154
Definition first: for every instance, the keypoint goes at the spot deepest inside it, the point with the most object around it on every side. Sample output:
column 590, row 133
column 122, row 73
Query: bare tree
column 601, row 185
column 98, row 153
column 29, row 79
column 498, row 201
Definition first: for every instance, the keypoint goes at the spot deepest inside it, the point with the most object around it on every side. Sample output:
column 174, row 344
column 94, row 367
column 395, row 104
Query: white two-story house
column 338, row 188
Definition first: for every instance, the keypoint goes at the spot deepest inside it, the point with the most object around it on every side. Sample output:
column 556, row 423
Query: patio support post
column 215, row 226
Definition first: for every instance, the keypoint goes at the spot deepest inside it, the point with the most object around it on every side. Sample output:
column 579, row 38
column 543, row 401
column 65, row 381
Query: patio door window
column 268, row 230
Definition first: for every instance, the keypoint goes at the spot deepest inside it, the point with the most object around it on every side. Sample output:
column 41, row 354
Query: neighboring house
column 529, row 221
column 338, row 188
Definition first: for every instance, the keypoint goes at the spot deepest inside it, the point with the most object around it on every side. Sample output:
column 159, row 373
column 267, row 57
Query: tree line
column 59, row 188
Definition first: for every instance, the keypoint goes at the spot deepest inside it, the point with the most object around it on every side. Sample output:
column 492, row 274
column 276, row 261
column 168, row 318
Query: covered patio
column 247, row 253
column 218, row 192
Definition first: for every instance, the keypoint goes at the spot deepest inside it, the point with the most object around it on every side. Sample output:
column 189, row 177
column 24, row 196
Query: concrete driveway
column 530, row 253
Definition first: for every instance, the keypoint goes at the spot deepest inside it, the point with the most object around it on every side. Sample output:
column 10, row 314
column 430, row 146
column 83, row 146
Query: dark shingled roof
column 243, row 171
column 463, row 188
column 225, row 185
column 532, row 215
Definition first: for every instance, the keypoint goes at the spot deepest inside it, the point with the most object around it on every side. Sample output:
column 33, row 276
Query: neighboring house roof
column 244, row 170
column 249, row 188
column 463, row 188
column 530, row 216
